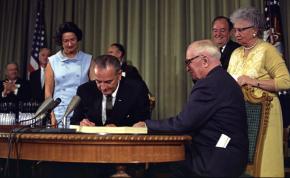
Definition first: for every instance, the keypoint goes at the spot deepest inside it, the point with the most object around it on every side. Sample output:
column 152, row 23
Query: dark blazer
column 131, row 72
column 215, row 106
column 227, row 52
column 24, row 92
column 37, row 89
column 131, row 104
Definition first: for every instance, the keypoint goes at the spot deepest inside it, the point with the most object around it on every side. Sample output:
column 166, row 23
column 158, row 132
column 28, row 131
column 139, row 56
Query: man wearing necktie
column 111, row 100
column 37, row 77
column 221, row 35
column 13, row 88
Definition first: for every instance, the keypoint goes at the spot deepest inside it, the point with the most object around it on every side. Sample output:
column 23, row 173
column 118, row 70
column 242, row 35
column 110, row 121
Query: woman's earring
column 254, row 35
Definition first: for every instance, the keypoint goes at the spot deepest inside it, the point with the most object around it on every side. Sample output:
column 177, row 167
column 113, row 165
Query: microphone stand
column 64, row 122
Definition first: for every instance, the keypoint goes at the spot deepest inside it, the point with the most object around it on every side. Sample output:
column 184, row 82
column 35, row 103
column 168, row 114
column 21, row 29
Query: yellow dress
column 264, row 62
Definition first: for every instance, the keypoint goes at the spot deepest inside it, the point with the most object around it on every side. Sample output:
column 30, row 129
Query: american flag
column 38, row 39
column 273, row 33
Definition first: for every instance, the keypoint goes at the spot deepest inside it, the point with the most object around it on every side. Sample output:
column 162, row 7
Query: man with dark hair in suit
column 128, row 98
column 128, row 71
column 221, row 36
column 214, row 116
column 37, row 77
column 13, row 88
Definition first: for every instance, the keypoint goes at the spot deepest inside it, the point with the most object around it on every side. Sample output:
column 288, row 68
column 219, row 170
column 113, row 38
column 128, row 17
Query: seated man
column 111, row 100
column 13, row 88
column 214, row 116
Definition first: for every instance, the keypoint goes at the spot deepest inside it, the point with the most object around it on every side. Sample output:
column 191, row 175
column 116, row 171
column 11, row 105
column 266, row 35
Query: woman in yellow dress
column 259, row 64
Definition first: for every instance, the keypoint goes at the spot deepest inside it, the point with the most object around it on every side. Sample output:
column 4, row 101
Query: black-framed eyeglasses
column 188, row 61
column 242, row 29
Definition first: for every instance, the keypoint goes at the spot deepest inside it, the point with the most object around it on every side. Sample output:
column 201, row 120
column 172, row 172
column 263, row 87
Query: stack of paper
column 110, row 130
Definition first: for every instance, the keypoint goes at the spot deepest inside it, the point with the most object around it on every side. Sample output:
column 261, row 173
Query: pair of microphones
column 49, row 104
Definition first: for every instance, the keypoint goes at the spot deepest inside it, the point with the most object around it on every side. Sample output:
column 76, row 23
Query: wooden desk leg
column 121, row 172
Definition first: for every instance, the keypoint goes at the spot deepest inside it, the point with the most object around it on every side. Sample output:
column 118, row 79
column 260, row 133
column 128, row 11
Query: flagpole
column 38, row 38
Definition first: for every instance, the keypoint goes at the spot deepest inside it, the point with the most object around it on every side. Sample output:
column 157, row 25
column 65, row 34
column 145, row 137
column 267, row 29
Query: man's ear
column 119, row 74
column 204, row 61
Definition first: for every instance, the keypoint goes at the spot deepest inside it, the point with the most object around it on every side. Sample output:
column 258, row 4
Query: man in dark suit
column 215, row 117
column 37, row 77
column 13, row 88
column 221, row 36
column 129, row 99
column 128, row 71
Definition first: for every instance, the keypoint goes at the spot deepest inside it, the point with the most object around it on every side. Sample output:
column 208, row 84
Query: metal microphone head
column 57, row 101
column 54, row 105
column 43, row 106
column 72, row 105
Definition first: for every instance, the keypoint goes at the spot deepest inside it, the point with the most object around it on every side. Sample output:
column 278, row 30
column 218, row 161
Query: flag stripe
column 273, row 33
column 38, row 38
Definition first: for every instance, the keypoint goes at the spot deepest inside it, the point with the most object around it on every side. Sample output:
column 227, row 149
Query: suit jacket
column 131, row 104
column 227, row 52
column 23, row 94
column 131, row 72
column 37, row 89
column 212, row 109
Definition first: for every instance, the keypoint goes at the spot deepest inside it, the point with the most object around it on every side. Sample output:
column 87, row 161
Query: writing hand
column 140, row 124
column 86, row 122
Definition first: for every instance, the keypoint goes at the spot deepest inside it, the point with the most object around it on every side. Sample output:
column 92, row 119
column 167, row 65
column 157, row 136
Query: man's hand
column 140, row 124
column 86, row 122
column 8, row 87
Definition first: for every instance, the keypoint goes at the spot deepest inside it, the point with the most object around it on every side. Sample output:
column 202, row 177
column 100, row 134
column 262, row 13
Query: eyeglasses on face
column 188, row 61
column 242, row 29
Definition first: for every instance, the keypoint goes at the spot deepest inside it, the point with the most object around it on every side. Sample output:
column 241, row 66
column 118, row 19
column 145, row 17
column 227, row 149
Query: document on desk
column 110, row 130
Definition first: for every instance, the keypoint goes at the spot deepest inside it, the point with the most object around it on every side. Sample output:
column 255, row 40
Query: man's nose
column 103, row 87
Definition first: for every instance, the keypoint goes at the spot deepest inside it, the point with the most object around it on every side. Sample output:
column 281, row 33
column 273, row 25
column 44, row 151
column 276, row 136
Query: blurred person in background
column 37, row 77
column 13, row 88
column 221, row 35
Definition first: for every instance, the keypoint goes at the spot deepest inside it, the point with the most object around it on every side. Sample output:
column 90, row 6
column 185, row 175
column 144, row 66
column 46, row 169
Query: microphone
column 43, row 109
column 47, row 110
column 71, row 106
column 44, row 104
column 54, row 105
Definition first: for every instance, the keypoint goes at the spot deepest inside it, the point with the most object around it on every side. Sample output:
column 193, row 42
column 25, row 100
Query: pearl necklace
column 251, row 47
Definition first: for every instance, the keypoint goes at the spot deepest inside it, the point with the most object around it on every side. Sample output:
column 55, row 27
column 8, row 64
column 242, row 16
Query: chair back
column 258, row 110
column 152, row 101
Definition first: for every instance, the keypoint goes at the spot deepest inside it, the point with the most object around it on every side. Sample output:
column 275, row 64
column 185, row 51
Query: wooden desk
column 92, row 148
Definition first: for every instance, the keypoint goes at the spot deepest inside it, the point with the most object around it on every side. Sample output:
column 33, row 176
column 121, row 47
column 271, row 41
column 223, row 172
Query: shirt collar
column 115, row 92
column 65, row 58
column 223, row 47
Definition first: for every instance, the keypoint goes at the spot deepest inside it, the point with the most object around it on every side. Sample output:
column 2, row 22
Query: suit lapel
column 97, row 104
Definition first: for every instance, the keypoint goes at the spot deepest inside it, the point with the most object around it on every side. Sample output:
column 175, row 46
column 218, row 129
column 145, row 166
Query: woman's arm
column 91, row 71
column 49, row 88
column 268, row 85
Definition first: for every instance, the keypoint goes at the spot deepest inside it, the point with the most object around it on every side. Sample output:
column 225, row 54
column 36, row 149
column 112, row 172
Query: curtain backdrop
column 154, row 32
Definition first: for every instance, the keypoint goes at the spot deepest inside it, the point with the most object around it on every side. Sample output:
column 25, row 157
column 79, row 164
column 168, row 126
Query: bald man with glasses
column 219, row 146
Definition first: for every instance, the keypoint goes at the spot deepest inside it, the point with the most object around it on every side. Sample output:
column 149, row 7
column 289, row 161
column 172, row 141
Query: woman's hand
column 53, row 120
column 246, row 80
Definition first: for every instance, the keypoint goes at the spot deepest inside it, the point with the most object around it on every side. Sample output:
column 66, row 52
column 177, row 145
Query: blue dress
column 69, row 73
